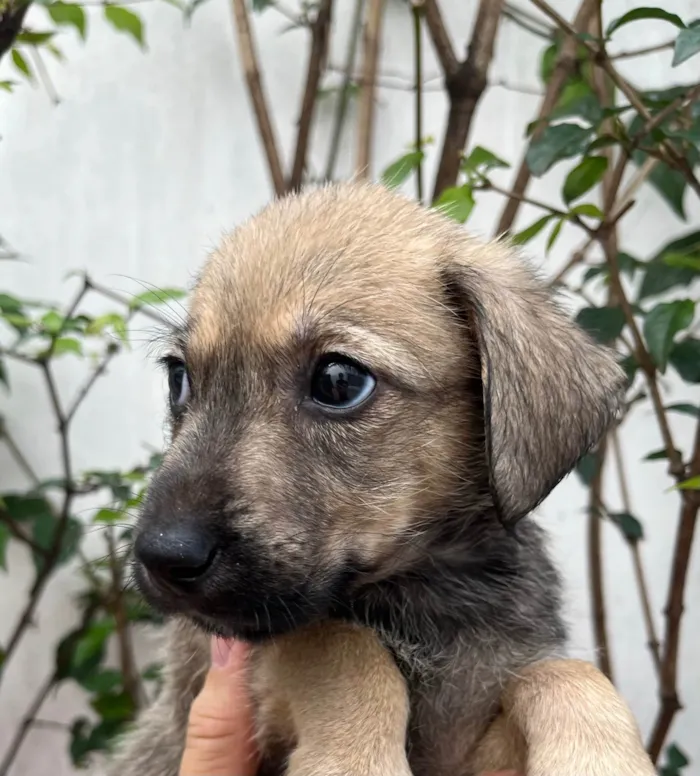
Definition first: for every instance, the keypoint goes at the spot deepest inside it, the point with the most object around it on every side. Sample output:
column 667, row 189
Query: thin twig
column 642, row 51
column 43, row 74
column 365, row 120
column 640, row 576
column 249, row 59
column 26, row 725
column 595, row 565
column 417, row 11
column 670, row 703
column 130, row 675
column 345, row 89
column 17, row 454
column 320, row 33
column 563, row 68
column 673, row 156
column 465, row 83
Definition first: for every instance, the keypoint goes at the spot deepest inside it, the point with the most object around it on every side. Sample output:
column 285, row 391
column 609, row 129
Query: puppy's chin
column 247, row 607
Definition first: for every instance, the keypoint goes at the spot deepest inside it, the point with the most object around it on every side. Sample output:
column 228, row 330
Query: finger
column 220, row 735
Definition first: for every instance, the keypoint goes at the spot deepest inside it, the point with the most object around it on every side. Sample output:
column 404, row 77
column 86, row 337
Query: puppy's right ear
column 549, row 391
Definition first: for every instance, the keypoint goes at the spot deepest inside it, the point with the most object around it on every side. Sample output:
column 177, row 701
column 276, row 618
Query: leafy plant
column 592, row 122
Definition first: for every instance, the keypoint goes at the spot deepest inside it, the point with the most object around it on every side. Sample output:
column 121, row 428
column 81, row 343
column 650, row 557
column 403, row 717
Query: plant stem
column 372, row 41
column 417, row 11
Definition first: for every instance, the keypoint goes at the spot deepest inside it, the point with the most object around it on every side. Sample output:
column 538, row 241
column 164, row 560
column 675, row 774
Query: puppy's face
column 329, row 410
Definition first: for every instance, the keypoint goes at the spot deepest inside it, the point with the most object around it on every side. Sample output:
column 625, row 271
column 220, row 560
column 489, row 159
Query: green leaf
column 52, row 322
column 684, row 409
column 588, row 209
column 34, row 38
column 261, row 5
column 482, row 158
column 3, row 375
column 7, row 86
column 23, row 508
column 605, row 324
column 662, row 324
column 67, row 345
column 10, row 304
column 105, row 680
column 161, row 296
column 687, row 45
column 69, row 14
column 396, row 173
column 629, row 525
column 117, row 322
column 21, row 64
column 685, row 359
column 4, row 539
column 86, row 739
column 638, row 14
column 584, row 177
column 553, row 235
column 531, row 231
column 604, row 141
column 682, row 261
column 107, row 516
column 549, row 58
column 44, row 531
column 660, row 276
column 558, row 142
column 657, row 455
column 692, row 484
column 80, row 652
column 114, row 706
column 676, row 758
column 587, row 468
column 127, row 21
column 457, row 202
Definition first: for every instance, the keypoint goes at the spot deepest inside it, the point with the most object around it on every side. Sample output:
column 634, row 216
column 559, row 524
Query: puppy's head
column 355, row 371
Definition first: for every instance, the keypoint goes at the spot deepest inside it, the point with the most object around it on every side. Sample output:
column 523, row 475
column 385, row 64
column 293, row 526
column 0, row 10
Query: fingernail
column 220, row 651
column 223, row 650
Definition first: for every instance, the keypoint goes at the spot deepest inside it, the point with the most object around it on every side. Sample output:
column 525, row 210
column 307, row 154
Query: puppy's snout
column 179, row 554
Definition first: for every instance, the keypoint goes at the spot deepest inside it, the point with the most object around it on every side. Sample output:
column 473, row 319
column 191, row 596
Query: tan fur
column 359, row 270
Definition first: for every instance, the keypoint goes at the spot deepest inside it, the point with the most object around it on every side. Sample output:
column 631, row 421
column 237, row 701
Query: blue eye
column 341, row 383
column 179, row 384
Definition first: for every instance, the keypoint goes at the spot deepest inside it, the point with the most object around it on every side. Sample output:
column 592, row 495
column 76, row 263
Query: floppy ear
column 549, row 391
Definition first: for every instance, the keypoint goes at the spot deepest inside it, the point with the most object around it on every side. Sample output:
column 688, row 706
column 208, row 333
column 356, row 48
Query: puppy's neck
column 471, row 589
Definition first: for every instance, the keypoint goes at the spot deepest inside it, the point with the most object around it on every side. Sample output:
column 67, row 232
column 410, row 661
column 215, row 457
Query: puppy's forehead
column 348, row 257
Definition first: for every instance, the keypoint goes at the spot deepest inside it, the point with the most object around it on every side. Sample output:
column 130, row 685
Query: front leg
column 564, row 718
column 155, row 743
column 336, row 695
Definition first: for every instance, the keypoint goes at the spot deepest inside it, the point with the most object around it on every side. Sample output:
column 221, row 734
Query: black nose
column 180, row 554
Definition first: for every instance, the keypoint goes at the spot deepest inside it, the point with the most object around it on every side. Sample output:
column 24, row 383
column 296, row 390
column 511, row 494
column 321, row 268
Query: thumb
column 220, row 735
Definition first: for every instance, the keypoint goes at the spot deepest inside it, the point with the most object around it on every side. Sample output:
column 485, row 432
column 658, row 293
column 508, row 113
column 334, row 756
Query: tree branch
column 11, row 21
column 249, row 59
column 344, row 99
column 670, row 703
column 563, row 68
column 26, row 725
column 595, row 565
column 465, row 83
column 417, row 12
column 372, row 38
column 320, row 32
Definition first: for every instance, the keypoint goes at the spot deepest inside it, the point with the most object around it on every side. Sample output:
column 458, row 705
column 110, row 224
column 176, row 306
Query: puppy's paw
column 363, row 762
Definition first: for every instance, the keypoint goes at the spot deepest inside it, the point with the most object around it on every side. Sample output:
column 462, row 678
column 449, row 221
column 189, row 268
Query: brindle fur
column 402, row 531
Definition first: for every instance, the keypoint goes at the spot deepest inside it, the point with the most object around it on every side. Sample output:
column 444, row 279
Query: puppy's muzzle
column 180, row 556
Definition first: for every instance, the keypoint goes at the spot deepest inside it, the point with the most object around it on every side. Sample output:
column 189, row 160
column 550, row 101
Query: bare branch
column 465, row 84
column 595, row 565
column 249, row 59
column 563, row 68
column 344, row 99
column 670, row 703
column 417, row 11
column 372, row 39
column 320, row 32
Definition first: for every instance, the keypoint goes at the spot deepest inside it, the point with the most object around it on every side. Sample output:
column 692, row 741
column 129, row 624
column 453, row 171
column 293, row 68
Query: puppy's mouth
column 233, row 593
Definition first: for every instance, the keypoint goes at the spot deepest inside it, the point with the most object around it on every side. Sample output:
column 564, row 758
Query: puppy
column 366, row 405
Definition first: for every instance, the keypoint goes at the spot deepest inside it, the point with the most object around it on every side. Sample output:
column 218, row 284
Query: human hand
column 220, row 734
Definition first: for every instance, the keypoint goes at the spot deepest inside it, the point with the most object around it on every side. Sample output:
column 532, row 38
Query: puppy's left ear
column 549, row 391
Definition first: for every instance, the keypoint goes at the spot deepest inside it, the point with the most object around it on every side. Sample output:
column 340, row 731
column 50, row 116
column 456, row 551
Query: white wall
column 135, row 175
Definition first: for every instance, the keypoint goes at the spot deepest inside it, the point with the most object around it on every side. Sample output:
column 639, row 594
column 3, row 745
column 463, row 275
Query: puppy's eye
column 179, row 384
column 341, row 383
